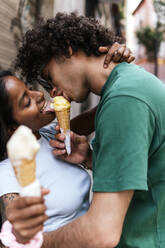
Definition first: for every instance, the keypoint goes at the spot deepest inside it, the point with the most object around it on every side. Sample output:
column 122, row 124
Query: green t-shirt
column 129, row 151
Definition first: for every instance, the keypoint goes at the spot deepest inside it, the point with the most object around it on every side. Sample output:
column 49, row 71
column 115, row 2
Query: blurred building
column 16, row 17
column 138, row 15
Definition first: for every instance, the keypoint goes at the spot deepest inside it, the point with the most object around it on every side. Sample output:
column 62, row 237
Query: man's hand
column 118, row 53
column 80, row 149
column 27, row 214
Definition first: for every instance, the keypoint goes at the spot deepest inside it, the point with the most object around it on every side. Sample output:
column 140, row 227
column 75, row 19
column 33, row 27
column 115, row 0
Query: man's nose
column 54, row 92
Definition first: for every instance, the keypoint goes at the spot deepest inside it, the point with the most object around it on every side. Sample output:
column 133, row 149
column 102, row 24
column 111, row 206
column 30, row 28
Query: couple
column 69, row 185
column 127, row 209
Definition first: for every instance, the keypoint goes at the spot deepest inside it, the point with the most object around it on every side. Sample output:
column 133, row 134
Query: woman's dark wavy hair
column 52, row 38
column 6, row 119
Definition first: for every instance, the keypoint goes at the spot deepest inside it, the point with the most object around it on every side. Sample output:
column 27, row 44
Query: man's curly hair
column 52, row 38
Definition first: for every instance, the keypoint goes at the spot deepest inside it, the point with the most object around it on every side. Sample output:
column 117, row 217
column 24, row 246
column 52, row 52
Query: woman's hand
column 118, row 53
column 80, row 149
column 27, row 214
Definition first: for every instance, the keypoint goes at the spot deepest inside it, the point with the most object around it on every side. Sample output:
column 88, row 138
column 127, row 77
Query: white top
column 69, row 184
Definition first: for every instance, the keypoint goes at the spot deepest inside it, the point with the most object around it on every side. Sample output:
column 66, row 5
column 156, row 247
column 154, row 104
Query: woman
column 68, row 198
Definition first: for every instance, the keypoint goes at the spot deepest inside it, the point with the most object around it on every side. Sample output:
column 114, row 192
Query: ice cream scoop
column 22, row 148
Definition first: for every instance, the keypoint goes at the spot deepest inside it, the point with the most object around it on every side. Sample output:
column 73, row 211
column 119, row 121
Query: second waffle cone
column 26, row 172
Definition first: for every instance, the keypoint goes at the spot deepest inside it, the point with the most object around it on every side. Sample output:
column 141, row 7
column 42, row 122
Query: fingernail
column 105, row 66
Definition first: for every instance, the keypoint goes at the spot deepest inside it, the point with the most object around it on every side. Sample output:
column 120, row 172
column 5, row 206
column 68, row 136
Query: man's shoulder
column 134, row 81
column 131, row 76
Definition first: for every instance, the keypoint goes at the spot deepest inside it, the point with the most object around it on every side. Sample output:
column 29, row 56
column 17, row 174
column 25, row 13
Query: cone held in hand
column 22, row 148
column 62, row 109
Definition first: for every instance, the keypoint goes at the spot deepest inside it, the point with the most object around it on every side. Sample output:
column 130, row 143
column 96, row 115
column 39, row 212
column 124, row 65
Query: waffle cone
column 26, row 172
column 63, row 118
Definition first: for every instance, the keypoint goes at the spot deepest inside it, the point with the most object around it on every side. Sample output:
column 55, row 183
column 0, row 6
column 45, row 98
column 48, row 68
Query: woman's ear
column 11, row 130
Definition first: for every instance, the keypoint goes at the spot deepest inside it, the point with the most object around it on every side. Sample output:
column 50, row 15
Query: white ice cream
column 22, row 145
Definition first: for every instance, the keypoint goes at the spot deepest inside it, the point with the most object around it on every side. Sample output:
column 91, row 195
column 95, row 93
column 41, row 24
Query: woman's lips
column 47, row 107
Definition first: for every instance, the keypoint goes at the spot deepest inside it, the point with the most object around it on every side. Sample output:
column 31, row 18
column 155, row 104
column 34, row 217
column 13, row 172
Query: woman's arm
column 4, row 201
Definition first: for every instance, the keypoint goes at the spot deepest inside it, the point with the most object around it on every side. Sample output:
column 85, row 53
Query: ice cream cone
column 25, row 172
column 62, row 109
column 22, row 148
column 63, row 118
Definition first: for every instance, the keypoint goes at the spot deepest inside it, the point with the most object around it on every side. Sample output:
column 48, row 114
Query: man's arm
column 83, row 124
column 101, row 226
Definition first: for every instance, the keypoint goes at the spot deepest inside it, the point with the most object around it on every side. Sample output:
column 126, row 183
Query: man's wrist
column 87, row 163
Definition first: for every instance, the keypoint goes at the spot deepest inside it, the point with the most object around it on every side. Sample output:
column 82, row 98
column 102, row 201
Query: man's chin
column 82, row 99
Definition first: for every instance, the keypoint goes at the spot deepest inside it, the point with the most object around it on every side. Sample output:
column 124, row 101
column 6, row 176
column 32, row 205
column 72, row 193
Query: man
column 127, row 209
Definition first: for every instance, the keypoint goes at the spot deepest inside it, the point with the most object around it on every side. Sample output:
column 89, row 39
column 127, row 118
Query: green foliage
column 159, row 6
column 151, row 39
column 121, row 11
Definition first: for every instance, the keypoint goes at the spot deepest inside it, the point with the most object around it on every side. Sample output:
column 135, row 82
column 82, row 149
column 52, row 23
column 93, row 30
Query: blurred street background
column 140, row 22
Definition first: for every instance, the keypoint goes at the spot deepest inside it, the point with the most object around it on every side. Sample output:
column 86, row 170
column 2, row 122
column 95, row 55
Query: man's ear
column 70, row 51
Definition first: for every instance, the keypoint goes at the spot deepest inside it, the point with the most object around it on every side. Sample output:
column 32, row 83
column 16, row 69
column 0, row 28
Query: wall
column 69, row 6
column 8, row 11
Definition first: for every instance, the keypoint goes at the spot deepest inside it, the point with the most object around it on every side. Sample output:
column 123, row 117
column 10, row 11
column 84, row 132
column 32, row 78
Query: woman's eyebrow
column 22, row 98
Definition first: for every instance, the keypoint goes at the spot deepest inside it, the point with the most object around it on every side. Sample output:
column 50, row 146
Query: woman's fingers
column 119, row 54
column 24, row 235
column 22, row 202
column 111, row 52
column 26, row 212
column 103, row 49
column 30, row 223
column 44, row 191
column 131, row 58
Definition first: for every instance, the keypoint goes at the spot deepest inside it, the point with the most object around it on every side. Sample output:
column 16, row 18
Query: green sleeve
column 124, row 130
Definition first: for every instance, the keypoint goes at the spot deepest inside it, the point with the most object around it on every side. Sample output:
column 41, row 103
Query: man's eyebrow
column 22, row 97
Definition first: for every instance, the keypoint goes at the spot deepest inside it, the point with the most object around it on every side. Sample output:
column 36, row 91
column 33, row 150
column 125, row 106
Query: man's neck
column 96, row 75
